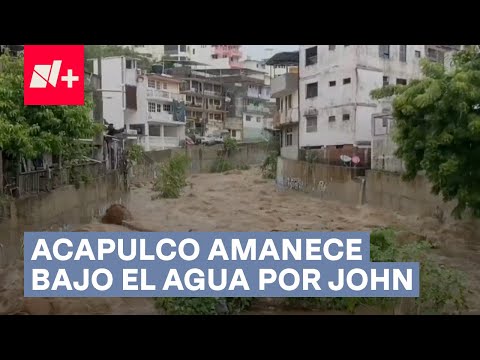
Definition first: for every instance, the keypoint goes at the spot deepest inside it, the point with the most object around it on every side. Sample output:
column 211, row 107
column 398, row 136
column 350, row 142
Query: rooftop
column 163, row 77
column 289, row 58
column 230, row 72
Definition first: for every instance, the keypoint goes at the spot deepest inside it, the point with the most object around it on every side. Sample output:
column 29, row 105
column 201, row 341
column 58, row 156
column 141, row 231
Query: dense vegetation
column 437, row 123
column 30, row 131
column 96, row 51
column 173, row 177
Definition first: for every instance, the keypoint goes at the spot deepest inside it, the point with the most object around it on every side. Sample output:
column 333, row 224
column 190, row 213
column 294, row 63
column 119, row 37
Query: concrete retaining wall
column 380, row 189
column 325, row 181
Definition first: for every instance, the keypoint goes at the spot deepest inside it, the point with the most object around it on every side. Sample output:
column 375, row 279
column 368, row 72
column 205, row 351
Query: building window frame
column 311, row 123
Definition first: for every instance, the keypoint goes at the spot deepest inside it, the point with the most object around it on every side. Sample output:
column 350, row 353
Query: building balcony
column 162, row 118
column 284, row 85
column 235, row 65
column 211, row 93
column 257, row 109
column 290, row 116
column 155, row 94
column 253, row 93
column 227, row 51
column 186, row 89
column 152, row 143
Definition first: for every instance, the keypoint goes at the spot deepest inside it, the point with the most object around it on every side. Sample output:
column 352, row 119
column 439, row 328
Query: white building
column 156, row 51
column 148, row 105
column 335, row 84
column 285, row 93
column 210, row 56
column 383, row 123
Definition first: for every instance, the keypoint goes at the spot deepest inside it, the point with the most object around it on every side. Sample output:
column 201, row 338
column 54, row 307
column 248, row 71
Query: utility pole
column 98, row 112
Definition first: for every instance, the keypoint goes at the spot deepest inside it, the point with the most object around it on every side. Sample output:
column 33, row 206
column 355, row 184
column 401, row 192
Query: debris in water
column 116, row 214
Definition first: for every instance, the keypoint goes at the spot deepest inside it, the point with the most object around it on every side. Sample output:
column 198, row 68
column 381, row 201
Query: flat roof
column 229, row 71
column 182, row 62
column 162, row 77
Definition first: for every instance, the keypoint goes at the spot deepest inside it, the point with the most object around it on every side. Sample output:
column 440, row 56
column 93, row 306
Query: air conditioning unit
column 132, row 132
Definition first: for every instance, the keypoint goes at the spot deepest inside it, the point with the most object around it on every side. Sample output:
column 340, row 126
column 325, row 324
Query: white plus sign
column 69, row 78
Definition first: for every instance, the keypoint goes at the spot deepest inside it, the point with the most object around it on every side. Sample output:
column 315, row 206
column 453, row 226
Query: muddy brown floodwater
column 239, row 201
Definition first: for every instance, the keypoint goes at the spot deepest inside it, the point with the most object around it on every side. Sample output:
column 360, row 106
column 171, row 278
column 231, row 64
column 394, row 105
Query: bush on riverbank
column 442, row 290
column 203, row 306
column 173, row 177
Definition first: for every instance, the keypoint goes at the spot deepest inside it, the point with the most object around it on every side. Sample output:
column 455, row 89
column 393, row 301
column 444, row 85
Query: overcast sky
column 259, row 52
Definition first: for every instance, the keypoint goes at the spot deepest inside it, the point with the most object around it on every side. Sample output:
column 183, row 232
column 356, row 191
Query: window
column 403, row 53
column 193, row 51
column 129, row 64
column 234, row 133
column 332, row 47
column 290, row 101
column 203, row 46
column 346, row 117
column 248, row 118
column 217, row 116
column 384, row 51
column 216, row 102
column 385, row 80
column 189, row 98
column 159, row 107
column 210, row 116
column 214, row 56
column 401, row 82
column 281, row 104
column 435, row 55
column 151, row 83
column 346, row 45
column 347, row 81
column 183, row 48
column 332, row 83
column 167, row 107
column 418, row 54
column 152, row 107
column 311, row 124
column 165, row 86
column 312, row 90
column 331, row 118
column 259, row 119
column 289, row 137
column 311, row 56
column 384, row 122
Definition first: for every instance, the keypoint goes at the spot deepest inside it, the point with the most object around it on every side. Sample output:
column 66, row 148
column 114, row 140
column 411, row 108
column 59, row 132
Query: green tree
column 95, row 51
column 30, row 131
column 437, row 121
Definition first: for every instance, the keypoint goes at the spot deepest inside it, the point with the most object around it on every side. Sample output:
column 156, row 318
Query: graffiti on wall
column 294, row 183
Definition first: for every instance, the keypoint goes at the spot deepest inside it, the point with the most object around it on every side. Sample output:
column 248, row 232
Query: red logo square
column 53, row 75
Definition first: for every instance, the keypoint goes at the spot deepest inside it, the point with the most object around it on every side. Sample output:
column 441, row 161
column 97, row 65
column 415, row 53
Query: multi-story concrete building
column 249, row 109
column 285, row 92
column 148, row 106
column 336, row 109
column 208, row 56
column 205, row 100
column 335, row 85
column 383, row 124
